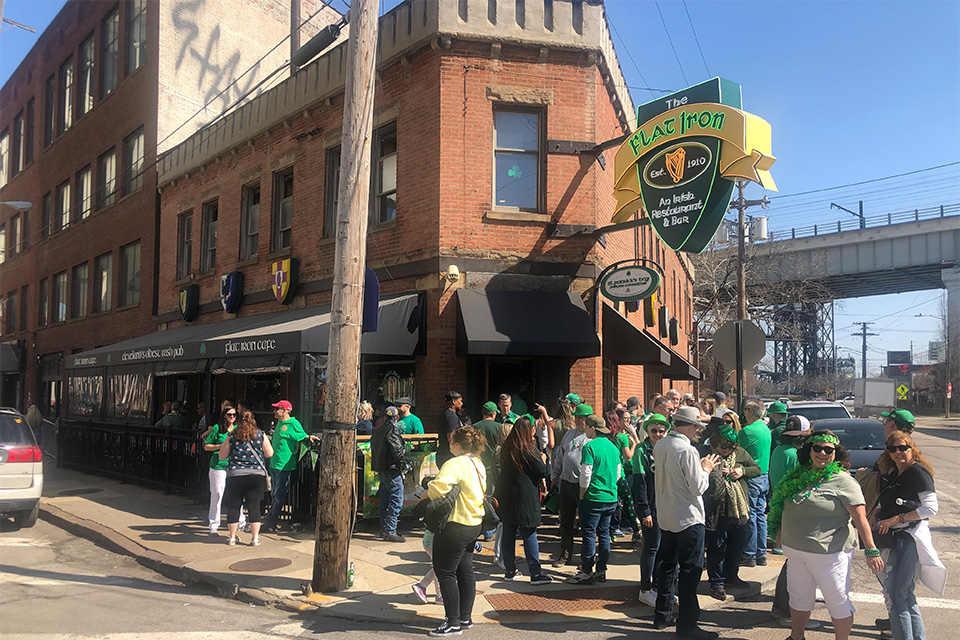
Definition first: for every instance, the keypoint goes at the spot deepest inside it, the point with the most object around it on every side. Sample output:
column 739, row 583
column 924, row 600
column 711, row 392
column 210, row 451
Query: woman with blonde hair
column 365, row 419
column 907, row 500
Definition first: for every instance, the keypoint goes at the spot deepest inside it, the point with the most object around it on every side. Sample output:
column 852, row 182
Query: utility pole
column 741, row 205
column 863, row 333
column 336, row 504
column 863, row 221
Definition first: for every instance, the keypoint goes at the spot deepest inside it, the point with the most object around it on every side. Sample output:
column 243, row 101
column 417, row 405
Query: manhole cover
column 563, row 601
column 79, row 492
column 260, row 564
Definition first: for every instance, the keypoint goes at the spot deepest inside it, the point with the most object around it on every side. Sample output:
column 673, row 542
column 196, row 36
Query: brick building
column 107, row 86
column 485, row 114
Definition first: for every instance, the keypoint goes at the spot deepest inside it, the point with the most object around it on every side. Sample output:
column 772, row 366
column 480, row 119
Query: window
column 13, row 248
column 4, row 157
column 85, row 97
column 103, row 283
column 84, row 193
column 109, row 50
column 78, row 299
column 65, row 97
column 106, row 178
column 46, row 214
column 136, row 35
column 208, row 237
column 16, row 155
column 250, row 221
column 383, row 188
column 24, row 230
column 333, row 192
column 11, row 312
column 50, row 111
column 3, row 243
column 129, row 274
column 28, row 134
column 517, row 175
column 282, row 209
column 43, row 303
column 24, row 290
column 133, row 162
column 59, row 309
column 184, row 244
column 61, row 217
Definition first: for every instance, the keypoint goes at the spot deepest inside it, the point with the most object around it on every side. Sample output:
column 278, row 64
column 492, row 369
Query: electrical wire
column 696, row 39
column 854, row 184
column 670, row 40
column 630, row 56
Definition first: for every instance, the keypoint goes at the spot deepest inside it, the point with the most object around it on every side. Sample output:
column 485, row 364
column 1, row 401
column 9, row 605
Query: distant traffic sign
column 725, row 344
column 902, row 391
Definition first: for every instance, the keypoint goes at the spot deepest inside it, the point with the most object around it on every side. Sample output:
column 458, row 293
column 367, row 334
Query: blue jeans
column 278, row 495
column 724, row 547
column 531, row 548
column 595, row 524
column 757, row 488
column 899, row 583
column 681, row 557
column 391, row 500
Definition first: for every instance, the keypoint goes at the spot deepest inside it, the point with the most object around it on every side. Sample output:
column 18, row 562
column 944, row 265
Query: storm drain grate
column 564, row 601
column 260, row 564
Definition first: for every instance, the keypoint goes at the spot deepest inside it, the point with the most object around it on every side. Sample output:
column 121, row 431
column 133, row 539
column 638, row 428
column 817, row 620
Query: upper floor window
column 59, row 306
column 133, row 161
column 208, row 233
column 109, row 52
column 103, row 283
column 14, row 238
column 332, row 192
column 85, row 96
column 130, row 274
column 24, row 297
column 4, row 157
column 250, row 221
column 136, row 35
column 518, row 150
column 78, row 299
column 28, row 134
column 16, row 154
column 11, row 312
column 84, row 193
column 282, row 209
column 24, row 230
column 65, row 97
column 61, row 217
column 50, row 111
column 3, row 243
column 184, row 244
column 383, row 186
column 43, row 303
column 46, row 215
column 106, row 178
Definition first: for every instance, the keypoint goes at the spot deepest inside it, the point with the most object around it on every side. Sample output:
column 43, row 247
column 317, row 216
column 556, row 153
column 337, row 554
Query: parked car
column 21, row 469
column 817, row 409
column 861, row 437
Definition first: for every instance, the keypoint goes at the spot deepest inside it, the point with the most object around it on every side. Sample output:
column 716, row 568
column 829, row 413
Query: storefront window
column 384, row 382
column 128, row 396
column 84, row 396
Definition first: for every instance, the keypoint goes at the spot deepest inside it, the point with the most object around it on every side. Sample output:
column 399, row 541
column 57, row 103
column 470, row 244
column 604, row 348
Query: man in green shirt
column 777, row 421
column 408, row 423
column 600, row 470
column 755, row 439
column 490, row 429
column 505, row 402
column 287, row 436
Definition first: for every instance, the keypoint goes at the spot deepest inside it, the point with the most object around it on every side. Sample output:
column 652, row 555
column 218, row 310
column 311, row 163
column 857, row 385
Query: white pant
column 218, row 481
column 830, row 572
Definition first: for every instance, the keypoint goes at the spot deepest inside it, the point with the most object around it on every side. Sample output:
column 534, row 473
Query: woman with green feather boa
column 817, row 510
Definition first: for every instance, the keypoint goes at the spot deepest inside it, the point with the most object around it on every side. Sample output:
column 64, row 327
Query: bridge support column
column 951, row 280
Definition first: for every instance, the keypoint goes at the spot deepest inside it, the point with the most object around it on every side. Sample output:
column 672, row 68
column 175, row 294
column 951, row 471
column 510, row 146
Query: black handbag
column 438, row 511
column 490, row 517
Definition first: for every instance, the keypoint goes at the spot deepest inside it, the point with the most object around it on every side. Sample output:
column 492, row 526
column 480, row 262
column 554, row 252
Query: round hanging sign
column 630, row 283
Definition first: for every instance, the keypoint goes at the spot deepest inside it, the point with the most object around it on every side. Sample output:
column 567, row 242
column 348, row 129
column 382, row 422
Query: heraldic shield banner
column 681, row 164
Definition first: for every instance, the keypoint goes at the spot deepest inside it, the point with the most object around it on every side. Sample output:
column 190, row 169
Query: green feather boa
column 795, row 482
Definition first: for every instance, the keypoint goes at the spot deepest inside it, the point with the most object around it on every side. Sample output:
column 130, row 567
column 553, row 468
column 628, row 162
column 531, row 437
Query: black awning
column 177, row 367
column 281, row 363
column 678, row 369
column 624, row 343
column 9, row 358
column 524, row 323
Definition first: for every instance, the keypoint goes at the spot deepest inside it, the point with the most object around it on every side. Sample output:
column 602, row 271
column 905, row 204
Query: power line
column 855, row 184
column 670, row 40
column 630, row 55
column 696, row 39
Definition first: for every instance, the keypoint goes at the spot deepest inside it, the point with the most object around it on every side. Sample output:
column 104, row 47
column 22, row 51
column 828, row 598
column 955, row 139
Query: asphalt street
column 55, row 586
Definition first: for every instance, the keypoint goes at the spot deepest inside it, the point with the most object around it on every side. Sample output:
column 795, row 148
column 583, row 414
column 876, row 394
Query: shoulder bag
column 438, row 511
column 262, row 466
column 490, row 517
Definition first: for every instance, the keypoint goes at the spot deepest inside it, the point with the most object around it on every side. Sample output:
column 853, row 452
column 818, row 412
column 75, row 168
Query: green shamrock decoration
column 515, row 172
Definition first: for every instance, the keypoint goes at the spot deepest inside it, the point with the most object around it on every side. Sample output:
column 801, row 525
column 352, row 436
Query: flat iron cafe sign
column 681, row 164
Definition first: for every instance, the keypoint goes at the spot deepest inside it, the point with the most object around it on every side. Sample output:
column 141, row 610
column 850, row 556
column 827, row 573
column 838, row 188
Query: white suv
column 817, row 409
column 21, row 470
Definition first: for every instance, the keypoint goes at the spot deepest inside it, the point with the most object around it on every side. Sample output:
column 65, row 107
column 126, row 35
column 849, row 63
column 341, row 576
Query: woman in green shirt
column 218, row 468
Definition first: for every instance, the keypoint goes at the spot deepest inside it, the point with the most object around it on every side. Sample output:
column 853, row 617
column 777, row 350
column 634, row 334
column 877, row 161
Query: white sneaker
column 810, row 626
column 255, row 542
column 649, row 597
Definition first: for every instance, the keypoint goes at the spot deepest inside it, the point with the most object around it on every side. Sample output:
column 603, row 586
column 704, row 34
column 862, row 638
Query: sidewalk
column 169, row 535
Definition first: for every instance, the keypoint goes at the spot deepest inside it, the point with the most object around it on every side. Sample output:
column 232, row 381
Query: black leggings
column 240, row 490
column 453, row 564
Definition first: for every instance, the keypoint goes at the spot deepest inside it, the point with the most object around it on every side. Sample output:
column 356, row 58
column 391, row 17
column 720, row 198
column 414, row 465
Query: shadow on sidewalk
column 116, row 581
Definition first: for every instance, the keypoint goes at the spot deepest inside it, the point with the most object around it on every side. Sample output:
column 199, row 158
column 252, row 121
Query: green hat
column 583, row 410
column 573, row 399
column 777, row 407
column 656, row 418
column 489, row 407
column 901, row 417
column 727, row 433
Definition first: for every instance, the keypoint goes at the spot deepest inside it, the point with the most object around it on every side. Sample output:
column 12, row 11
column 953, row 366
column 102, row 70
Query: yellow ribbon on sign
column 745, row 152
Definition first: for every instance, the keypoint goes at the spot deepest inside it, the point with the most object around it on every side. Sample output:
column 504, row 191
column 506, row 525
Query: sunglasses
column 728, row 422
column 657, row 431
column 819, row 448
column 902, row 448
column 232, row 413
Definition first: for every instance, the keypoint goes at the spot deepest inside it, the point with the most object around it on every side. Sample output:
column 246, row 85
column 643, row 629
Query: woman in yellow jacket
column 454, row 544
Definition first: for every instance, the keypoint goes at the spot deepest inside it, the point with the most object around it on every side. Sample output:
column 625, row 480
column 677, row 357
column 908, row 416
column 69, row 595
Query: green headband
column 529, row 417
column 824, row 437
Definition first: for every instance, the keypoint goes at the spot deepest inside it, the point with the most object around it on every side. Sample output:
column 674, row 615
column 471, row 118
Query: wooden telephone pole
column 335, row 496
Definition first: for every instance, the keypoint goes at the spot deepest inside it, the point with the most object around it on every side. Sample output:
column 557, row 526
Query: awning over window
column 524, row 323
column 9, row 358
column 624, row 343
column 678, row 369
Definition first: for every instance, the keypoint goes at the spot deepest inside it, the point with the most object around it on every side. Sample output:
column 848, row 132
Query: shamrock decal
column 515, row 172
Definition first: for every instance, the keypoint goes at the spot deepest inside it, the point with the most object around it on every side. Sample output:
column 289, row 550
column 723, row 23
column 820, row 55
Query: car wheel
column 26, row 519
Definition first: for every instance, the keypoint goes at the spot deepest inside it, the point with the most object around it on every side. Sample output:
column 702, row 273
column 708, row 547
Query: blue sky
column 853, row 91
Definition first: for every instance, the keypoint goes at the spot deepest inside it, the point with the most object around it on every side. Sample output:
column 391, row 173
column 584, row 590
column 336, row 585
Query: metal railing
column 854, row 224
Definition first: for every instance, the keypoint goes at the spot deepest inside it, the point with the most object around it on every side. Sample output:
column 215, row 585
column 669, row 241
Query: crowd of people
column 696, row 484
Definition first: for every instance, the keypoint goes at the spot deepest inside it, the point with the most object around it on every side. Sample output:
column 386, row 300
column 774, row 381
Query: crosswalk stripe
column 924, row 603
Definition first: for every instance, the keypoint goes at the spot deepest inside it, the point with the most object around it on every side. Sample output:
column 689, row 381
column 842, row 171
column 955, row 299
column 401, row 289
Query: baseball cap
column 597, row 423
column 655, row 418
column 391, row 412
column 283, row 404
column 720, row 396
column 900, row 416
column 777, row 407
column 489, row 407
column 583, row 410
column 687, row 415
column 573, row 398
column 802, row 422
column 403, row 400
column 632, row 403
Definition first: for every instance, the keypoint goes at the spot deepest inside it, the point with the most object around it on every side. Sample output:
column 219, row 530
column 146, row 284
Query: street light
column 946, row 359
column 19, row 205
